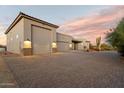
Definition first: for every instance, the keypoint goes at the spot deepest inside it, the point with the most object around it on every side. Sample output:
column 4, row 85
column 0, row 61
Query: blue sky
column 88, row 22
column 54, row 14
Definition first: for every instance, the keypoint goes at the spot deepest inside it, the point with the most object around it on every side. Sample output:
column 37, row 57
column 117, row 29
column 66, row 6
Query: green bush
column 106, row 47
column 116, row 38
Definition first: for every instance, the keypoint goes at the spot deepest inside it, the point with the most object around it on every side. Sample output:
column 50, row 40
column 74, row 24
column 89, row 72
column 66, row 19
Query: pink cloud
column 94, row 25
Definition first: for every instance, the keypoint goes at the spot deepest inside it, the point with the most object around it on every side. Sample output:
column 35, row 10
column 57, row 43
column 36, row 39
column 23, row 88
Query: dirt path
column 6, row 77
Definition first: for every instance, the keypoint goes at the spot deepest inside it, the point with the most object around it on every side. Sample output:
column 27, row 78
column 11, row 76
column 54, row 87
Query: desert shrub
column 116, row 37
column 105, row 46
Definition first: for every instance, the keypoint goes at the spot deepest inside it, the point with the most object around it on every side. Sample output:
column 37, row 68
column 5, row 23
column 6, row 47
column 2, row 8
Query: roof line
column 23, row 15
column 63, row 34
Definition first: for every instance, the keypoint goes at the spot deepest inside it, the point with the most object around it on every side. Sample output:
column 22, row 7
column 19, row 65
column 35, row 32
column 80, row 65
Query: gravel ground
column 63, row 70
column 6, row 77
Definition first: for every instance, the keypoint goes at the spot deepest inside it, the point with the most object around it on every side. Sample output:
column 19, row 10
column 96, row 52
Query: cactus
column 98, row 42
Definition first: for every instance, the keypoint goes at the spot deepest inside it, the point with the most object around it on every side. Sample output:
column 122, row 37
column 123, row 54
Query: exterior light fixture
column 54, row 45
column 70, row 45
column 27, row 44
column 17, row 36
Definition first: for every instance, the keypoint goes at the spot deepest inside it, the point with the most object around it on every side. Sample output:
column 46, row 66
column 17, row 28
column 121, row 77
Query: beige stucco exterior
column 28, row 26
column 63, row 42
column 82, row 45
column 15, row 38
column 40, row 35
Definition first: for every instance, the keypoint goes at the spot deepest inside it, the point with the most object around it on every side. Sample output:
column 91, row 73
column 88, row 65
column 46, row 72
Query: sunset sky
column 85, row 22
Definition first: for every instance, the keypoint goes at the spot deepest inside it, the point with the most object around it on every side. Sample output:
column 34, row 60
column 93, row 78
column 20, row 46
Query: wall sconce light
column 70, row 45
column 27, row 44
column 54, row 45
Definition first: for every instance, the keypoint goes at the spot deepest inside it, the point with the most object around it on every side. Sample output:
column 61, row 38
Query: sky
column 83, row 22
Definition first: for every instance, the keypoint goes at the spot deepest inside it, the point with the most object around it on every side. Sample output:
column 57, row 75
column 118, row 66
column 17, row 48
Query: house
column 28, row 35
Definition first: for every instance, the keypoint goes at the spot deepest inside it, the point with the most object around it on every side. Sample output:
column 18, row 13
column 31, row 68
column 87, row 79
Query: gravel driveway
column 74, row 69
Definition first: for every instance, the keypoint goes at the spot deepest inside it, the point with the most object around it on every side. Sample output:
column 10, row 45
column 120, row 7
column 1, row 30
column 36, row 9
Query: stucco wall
column 63, row 42
column 63, row 37
column 83, row 46
column 27, row 29
column 80, row 46
column 15, row 38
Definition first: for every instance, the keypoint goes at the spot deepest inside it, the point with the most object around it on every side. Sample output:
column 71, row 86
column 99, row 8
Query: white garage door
column 41, row 40
column 62, row 46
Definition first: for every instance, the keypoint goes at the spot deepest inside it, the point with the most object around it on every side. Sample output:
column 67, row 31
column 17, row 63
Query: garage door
column 41, row 40
column 62, row 46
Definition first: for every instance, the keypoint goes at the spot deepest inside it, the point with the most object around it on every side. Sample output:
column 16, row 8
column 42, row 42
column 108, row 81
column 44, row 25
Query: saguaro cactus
column 98, row 42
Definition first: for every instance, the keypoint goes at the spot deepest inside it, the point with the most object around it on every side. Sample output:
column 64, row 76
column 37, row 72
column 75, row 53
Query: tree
column 98, row 42
column 116, row 37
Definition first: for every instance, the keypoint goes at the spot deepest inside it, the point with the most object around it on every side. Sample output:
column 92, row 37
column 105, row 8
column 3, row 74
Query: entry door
column 41, row 40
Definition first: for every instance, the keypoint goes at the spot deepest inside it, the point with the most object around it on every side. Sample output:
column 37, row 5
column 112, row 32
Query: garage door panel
column 63, row 46
column 37, row 49
column 41, row 39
